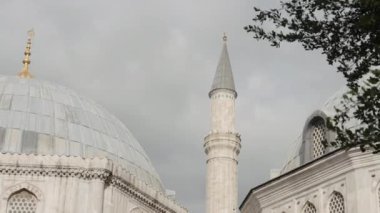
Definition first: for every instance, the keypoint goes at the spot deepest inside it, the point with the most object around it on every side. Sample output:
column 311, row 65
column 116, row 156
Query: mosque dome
column 317, row 120
column 303, row 149
column 334, row 101
column 40, row 117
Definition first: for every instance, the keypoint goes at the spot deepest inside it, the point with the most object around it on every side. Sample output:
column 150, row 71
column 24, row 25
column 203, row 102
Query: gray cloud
column 151, row 63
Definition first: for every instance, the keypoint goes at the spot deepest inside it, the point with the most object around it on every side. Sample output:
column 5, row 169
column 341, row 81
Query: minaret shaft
column 222, row 145
column 223, row 112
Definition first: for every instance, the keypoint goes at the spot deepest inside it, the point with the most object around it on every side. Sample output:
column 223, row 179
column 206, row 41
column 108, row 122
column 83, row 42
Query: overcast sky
column 151, row 63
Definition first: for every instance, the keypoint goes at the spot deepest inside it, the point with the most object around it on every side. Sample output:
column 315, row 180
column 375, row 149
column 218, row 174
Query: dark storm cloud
column 151, row 63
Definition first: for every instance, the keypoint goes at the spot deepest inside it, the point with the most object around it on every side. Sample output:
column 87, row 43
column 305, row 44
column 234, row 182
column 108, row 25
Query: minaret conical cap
column 223, row 78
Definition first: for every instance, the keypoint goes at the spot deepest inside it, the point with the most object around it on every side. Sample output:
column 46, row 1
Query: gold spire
column 224, row 37
column 25, row 70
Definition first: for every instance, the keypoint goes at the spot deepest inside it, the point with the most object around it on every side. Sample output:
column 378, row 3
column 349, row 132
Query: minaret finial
column 223, row 78
column 224, row 37
column 25, row 70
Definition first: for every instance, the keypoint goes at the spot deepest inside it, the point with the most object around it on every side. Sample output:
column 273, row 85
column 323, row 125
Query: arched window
column 336, row 204
column 309, row 208
column 315, row 138
column 22, row 201
column 318, row 137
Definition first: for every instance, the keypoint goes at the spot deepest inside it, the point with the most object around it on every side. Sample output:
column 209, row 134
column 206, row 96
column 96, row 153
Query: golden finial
column 25, row 70
column 224, row 37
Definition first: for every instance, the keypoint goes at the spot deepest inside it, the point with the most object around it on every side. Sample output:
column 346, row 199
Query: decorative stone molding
column 87, row 169
column 127, row 183
column 223, row 140
column 338, row 186
column 83, row 173
column 352, row 173
column 308, row 196
column 141, row 197
column 27, row 186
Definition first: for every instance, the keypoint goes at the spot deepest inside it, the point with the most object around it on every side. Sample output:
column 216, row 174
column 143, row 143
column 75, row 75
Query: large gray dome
column 44, row 118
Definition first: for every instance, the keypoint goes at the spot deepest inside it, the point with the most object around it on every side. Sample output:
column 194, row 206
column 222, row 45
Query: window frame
column 10, row 191
column 335, row 193
column 306, row 205
column 19, row 192
column 306, row 150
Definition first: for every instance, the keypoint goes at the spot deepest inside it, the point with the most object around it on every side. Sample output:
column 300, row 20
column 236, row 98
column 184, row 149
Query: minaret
column 222, row 144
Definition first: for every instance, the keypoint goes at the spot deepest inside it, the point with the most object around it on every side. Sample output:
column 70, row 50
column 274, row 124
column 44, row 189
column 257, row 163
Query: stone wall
column 353, row 174
column 64, row 184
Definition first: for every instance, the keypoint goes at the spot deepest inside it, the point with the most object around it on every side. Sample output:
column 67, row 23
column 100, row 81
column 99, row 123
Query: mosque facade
column 61, row 152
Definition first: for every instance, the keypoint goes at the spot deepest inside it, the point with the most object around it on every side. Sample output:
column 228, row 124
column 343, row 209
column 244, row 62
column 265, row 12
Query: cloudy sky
column 151, row 63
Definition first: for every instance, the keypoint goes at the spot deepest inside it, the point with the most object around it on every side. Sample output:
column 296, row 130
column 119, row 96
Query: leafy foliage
column 348, row 34
column 361, row 108
column 347, row 31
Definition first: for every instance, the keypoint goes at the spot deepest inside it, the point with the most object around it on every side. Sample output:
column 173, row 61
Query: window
column 336, row 204
column 22, row 202
column 318, row 136
column 315, row 137
column 309, row 208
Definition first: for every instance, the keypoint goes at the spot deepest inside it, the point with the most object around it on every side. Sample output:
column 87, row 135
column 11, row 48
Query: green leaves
column 348, row 33
column 361, row 107
column 373, row 80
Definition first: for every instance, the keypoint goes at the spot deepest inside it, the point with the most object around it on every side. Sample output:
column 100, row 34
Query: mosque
column 63, row 153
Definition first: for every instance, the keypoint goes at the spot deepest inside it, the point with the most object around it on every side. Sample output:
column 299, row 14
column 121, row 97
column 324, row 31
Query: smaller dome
column 334, row 101
column 297, row 158
column 45, row 118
